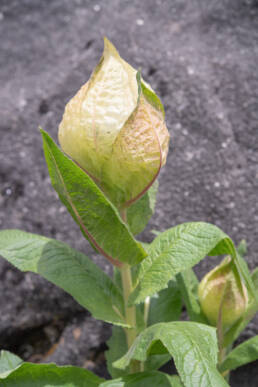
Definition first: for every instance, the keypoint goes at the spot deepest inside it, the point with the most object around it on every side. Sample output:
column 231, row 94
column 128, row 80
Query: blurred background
column 201, row 57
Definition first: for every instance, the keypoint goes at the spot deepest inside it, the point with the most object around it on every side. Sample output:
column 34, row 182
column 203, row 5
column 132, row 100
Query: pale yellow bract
column 114, row 131
column 223, row 291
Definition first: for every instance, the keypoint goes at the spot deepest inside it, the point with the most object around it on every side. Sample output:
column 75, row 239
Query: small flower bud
column 114, row 129
column 222, row 291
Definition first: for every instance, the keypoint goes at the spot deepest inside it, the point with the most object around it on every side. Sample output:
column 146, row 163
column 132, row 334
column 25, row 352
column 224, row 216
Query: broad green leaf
column 139, row 213
column 67, row 268
column 178, row 249
column 166, row 305
column 242, row 354
column 49, row 375
column 188, row 285
column 145, row 379
column 193, row 347
column 8, row 362
column 173, row 251
column 98, row 219
column 118, row 347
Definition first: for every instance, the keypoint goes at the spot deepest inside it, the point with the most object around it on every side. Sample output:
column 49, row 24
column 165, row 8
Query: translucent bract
column 114, row 129
column 222, row 291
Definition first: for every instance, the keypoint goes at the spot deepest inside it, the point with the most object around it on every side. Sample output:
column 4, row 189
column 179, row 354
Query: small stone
column 97, row 7
column 8, row 191
column 190, row 71
column 140, row 22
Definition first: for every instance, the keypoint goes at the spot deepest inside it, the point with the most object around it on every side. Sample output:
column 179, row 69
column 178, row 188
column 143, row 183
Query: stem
column 130, row 311
column 146, row 310
column 130, row 314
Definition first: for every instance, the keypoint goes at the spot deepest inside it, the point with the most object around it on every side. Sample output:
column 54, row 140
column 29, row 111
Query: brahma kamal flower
column 222, row 291
column 114, row 129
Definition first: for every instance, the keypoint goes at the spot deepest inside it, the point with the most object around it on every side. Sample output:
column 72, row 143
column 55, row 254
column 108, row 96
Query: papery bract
column 222, row 291
column 114, row 129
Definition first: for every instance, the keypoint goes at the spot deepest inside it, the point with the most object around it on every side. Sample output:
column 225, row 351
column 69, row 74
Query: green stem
column 130, row 311
column 146, row 310
column 130, row 314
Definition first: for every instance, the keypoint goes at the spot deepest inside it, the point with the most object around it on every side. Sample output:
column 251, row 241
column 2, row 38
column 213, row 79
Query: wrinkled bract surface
column 223, row 289
column 114, row 129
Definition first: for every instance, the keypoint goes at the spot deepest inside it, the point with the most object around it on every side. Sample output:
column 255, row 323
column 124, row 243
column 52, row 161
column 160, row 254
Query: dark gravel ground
column 202, row 59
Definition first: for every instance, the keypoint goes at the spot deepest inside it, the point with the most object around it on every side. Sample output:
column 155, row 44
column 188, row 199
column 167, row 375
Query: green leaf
column 242, row 248
column 67, row 268
column 193, row 347
column 246, row 277
column 188, row 285
column 176, row 250
column 255, row 278
column 155, row 362
column 139, row 213
column 234, row 332
column 152, row 98
column 242, row 354
column 166, row 305
column 145, row 379
column 8, row 362
column 117, row 345
column 98, row 219
column 49, row 375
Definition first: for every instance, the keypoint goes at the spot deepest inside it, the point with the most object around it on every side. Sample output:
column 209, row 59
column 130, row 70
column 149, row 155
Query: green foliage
column 166, row 305
column 233, row 333
column 193, row 347
column 117, row 348
column 67, row 268
column 242, row 248
column 48, row 375
column 152, row 98
column 242, row 354
column 188, row 285
column 247, row 278
column 255, row 278
column 141, row 211
column 176, row 250
column 98, row 219
column 145, row 379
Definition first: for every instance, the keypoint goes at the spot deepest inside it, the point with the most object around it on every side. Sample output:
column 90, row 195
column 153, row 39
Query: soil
column 202, row 59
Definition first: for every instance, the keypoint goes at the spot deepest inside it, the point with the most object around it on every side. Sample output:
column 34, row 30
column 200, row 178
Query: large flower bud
column 114, row 129
column 222, row 291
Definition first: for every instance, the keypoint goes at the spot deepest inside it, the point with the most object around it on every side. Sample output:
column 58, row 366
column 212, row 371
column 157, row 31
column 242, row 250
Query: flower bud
column 114, row 129
column 222, row 291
